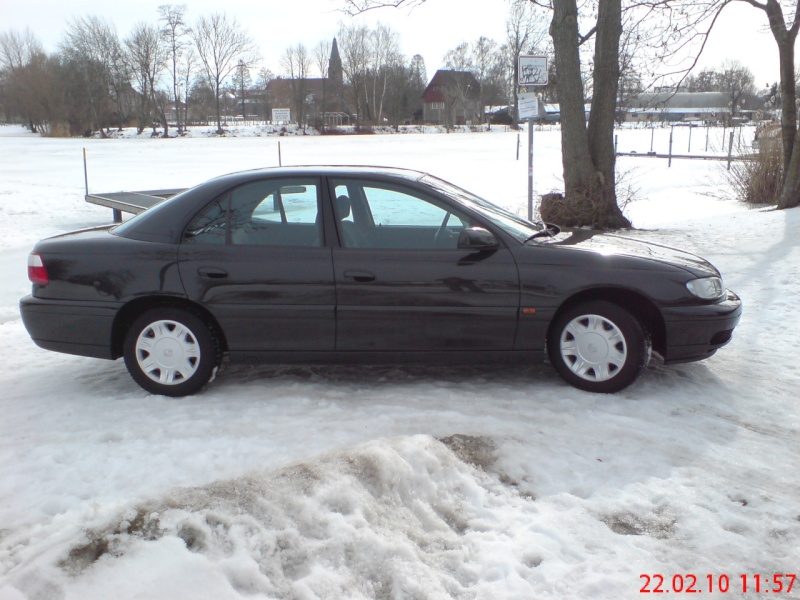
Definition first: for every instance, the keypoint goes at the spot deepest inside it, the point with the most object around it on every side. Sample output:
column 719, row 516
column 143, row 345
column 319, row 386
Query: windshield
column 519, row 228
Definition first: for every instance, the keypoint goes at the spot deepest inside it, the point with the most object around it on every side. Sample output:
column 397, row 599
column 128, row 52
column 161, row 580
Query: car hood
column 612, row 245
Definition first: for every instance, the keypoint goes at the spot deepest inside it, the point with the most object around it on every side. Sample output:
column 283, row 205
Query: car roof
column 322, row 171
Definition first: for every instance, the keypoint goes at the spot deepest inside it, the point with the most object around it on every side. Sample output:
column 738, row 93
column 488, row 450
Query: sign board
column 532, row 70
column 281, row 115
column 528, row 106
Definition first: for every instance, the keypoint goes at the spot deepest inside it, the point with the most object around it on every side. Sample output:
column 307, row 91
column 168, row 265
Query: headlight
column 707, row 288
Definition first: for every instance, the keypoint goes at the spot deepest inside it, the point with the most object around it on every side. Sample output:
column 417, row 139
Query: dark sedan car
column 365, row 265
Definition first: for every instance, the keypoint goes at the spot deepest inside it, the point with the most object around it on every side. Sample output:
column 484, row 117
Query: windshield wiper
column 549, row 230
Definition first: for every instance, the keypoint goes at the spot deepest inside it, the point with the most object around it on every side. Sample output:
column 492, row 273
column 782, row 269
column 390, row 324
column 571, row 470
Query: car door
column 403, row 285
column 256, row 258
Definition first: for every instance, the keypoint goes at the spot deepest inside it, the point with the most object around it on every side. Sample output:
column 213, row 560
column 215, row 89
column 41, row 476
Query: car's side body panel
column 265, row 298
column 438, row 300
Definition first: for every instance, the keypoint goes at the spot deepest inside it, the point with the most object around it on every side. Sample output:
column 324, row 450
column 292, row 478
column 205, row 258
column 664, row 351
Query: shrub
column 758, row 181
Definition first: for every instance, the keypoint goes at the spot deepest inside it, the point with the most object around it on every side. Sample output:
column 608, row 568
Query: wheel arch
column 128, row 313
column 637, row 304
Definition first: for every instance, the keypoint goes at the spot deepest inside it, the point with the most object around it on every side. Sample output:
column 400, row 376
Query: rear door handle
column 212, row 272
column 359, row 276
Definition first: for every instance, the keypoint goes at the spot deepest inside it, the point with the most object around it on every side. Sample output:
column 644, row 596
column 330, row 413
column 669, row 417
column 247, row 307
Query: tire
column 171, row 352
column 598, row 346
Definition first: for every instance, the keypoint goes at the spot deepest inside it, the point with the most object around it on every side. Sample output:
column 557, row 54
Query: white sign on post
column 532, row 70
column 281, row 115
column 528, row 106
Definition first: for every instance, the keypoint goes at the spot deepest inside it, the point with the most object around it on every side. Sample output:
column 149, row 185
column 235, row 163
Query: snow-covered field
column 402, row 483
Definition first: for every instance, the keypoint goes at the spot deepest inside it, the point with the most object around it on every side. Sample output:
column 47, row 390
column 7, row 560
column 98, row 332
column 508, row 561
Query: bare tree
column 241, row 82
column 22, row 63
column 384, row 57
column 322, row 56
column 92, row 47
column 354, row 43
column 484, row 61
column 262, row 82
column 459, row 58
column 221, row 45
column 296, row 63
column 146, row 56
column 736, row 80
column 186, row 73
column 175, row 33
column 17, row 49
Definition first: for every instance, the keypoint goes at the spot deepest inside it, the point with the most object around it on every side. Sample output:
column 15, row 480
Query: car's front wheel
column 170, row 351
column 598, row 347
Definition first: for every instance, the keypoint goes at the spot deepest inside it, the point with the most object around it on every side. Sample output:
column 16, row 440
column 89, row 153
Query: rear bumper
column 70, row 327
column 697, row 332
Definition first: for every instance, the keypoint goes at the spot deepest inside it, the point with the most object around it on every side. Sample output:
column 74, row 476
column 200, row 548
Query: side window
column 393, row 208
column 210, row 225
column 373, row 215
column 262, row 213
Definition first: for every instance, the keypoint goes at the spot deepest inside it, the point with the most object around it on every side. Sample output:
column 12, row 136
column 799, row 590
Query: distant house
column 452, row 98
column 689, row 106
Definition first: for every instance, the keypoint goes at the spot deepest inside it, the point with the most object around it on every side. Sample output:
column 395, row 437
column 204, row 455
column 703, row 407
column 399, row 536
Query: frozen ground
column 404, row 483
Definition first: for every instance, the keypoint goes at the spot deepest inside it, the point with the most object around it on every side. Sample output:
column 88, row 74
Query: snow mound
column 393, row 518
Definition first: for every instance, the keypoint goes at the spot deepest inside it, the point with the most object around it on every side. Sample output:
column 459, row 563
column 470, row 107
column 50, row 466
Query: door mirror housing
column 477, row 238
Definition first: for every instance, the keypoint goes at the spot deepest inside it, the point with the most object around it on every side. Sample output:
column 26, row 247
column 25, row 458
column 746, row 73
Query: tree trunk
column 790, row 197
column 588, row 157
column 604, row 108
column 785, row 38
column 220, row 131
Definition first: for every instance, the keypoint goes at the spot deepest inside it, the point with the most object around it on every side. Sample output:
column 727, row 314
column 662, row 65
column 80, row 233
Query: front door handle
column 359, row 276
column 212, row 272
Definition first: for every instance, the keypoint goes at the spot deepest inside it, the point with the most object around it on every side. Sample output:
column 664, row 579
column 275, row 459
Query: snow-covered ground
column 403, row 483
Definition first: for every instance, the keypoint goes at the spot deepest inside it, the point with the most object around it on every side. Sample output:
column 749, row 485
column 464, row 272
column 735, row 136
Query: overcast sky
column 430, row 29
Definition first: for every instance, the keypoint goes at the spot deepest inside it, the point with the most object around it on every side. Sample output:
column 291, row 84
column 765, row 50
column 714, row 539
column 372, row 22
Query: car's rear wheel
column 170, row 351
column 598, row 347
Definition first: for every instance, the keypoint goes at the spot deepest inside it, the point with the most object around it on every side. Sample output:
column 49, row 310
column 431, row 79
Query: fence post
column 730, row 150
column 671, row 130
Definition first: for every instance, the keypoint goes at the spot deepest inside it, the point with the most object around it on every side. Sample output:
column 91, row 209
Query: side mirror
column 477, row 238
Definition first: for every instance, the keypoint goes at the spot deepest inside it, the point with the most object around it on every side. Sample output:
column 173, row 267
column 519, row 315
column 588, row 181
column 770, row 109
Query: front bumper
column 697, row 332
column 65, row 326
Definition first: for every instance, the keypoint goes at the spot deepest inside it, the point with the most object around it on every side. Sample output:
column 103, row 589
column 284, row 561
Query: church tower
column 335, row 92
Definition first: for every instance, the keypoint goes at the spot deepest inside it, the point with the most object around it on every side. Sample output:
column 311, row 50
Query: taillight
column 37, row 272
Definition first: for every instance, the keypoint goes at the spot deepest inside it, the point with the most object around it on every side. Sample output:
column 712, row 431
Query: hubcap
column 593, row 348
column 167, row 352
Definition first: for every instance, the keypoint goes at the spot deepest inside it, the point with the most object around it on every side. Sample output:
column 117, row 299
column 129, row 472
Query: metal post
column 518, row 142
column 671, row 130
column 652, row 137
column 85, row 173
column 730, row 150
column 280, row 163
column 530, row 169
column 690, row 139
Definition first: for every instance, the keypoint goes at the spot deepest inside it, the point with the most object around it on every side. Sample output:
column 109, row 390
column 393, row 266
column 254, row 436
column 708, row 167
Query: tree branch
column 582, row 39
